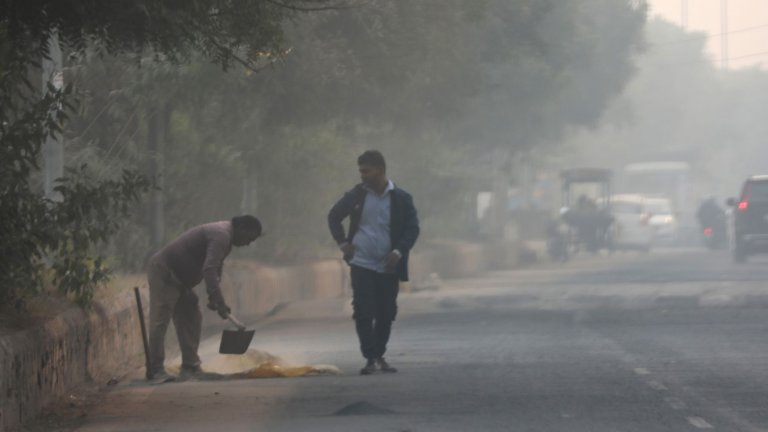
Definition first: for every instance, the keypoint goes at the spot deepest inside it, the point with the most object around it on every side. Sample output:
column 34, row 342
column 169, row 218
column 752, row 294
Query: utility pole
column 53, row 147
column 502, row 167
column 724, row 33
column 684, row 14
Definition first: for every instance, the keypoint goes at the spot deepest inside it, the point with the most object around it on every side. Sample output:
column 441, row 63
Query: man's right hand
column 348, row 249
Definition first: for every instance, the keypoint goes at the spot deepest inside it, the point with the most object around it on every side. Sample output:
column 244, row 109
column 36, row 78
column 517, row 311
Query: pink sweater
column 199, row 254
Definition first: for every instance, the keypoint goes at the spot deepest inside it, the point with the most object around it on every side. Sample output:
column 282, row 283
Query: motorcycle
column 714, row 237
column 712, row 220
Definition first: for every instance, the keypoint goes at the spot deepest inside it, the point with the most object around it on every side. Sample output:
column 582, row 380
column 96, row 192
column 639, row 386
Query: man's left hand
column 390, row 264
column 216, row 303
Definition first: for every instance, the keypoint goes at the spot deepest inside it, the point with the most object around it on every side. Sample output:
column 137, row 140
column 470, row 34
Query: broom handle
column 236, row 322
column 143, row 332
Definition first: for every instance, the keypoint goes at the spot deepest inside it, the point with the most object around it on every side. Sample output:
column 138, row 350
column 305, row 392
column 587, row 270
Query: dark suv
column 750, row 219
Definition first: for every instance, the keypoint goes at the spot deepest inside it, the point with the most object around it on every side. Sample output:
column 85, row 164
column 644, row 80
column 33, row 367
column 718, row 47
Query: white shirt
column 372, row 241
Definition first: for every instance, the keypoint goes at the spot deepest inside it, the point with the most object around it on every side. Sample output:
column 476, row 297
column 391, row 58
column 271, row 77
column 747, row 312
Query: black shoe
column 369, row 369
column 161, row 377
column 198, row 374
column 384, row 366
column 190, row 372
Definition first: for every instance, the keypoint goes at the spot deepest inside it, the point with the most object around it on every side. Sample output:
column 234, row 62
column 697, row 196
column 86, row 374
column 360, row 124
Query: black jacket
column 403, row 228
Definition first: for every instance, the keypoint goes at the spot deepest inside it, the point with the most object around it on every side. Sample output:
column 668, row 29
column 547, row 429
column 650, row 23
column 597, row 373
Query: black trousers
column 374, row 301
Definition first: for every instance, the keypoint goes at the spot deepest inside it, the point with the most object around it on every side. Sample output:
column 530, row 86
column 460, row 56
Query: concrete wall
column 253, row 289
column 44, row 362
column 76, row 347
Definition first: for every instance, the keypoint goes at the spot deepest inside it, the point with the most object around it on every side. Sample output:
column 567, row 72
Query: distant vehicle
column 713, row 224
column 632, row 223
column 586, row 194
column 750, row 219
column 663, row 219
column 671, row 179
column 715, row 237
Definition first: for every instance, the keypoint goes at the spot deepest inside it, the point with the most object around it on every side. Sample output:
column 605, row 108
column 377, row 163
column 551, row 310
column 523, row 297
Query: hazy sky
column 747, row 48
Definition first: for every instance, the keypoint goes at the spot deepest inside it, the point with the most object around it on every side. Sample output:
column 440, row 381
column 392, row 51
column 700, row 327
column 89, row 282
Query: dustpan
column 235, row 341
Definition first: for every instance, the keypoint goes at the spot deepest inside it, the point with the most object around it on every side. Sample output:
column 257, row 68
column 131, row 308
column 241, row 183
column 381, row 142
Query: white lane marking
column 642, row 371
column 700, row 423
column 675, row 403
column 657, row 385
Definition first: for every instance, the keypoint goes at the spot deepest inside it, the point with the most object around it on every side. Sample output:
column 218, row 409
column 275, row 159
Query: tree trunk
column 53, row 147
column 501, row 180
column 157, row 135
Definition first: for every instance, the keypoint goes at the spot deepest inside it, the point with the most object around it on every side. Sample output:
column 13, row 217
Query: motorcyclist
column 712, row 221
column 590, row 223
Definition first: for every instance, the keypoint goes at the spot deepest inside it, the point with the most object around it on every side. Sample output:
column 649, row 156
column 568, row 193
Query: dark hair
column 372, row 158
column 246, row 223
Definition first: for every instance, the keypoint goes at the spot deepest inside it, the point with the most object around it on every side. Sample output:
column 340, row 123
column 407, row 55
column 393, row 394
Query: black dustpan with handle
column 235, row 341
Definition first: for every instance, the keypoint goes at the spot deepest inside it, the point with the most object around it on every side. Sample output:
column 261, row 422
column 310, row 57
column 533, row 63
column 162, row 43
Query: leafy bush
column 39, row 235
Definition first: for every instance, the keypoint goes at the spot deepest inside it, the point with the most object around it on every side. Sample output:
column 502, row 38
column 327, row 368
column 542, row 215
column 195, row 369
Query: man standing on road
column 383, row 227
column 196, row 255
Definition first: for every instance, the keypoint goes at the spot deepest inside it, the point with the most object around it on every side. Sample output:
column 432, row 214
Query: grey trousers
column 168, row 299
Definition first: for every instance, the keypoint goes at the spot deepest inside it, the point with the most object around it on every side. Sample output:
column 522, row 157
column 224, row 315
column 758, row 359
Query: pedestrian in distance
column 383, row 227
column 173, row 272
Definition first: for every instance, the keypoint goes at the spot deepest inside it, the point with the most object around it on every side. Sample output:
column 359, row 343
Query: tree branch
column 337, row 6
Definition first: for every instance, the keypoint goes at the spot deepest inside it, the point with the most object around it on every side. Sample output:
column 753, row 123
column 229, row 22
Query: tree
column 38, row 233
column 437, row 85
column 445, row 88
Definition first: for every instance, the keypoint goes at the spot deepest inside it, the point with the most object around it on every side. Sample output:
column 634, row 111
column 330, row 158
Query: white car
column 663, row 218
column 631, row 227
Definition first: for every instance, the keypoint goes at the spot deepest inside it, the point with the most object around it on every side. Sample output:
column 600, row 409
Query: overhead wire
column 705, row 60
column 709, row 36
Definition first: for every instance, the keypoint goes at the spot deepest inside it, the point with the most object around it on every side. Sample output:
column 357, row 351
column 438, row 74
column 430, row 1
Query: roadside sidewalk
column 550, row 286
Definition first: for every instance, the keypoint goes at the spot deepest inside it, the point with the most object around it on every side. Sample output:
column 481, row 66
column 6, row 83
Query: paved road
column 671, row 341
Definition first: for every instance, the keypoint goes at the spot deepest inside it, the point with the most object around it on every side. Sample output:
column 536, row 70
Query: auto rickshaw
column 586, row 208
